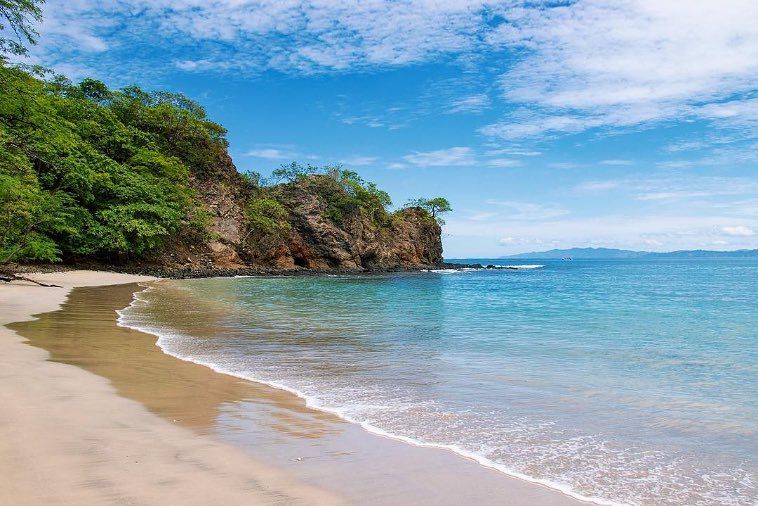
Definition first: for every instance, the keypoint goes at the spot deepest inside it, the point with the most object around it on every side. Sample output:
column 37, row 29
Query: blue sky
column 626, row 123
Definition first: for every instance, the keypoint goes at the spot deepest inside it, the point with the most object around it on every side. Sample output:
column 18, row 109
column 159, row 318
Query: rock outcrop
column 309, row 238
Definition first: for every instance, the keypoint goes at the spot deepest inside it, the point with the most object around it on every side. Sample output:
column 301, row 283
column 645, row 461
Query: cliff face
column 308, row 237
column 409, row 238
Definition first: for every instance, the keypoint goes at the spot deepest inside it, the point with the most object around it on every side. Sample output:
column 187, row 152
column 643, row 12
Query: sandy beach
column 67, row 439
column 94, row 413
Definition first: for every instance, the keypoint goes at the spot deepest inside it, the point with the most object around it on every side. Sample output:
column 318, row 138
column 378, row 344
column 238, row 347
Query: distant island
column 612, row 253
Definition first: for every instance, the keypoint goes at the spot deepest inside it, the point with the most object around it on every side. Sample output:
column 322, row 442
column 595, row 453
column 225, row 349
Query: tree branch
column 15, row 277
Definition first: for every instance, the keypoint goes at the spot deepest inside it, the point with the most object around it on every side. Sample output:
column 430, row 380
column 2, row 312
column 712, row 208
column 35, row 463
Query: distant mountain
column 611, row 253
column 582, row 253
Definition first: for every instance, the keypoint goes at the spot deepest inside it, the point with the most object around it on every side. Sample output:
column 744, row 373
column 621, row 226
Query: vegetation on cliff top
column 89, row 172
column 343, row 191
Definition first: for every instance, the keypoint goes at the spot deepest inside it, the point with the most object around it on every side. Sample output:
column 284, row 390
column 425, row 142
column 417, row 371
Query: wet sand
column 314, row 457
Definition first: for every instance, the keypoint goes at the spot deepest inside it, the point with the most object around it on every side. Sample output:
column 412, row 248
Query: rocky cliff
column 312, row 222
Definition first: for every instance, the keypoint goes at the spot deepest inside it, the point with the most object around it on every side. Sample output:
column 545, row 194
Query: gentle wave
column 511, row 393
column 164, row 343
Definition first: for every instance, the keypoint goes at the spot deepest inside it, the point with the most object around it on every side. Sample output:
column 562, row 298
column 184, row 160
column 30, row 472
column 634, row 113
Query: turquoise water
column 625, row 381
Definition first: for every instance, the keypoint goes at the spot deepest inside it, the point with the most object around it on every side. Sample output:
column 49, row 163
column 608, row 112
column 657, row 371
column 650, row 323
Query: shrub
column 266, row 215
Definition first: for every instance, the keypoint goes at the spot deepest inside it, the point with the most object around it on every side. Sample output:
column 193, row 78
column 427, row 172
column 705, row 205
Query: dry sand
column 179, row 433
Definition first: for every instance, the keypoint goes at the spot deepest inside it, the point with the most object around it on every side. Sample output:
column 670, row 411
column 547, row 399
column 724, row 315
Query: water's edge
column 313, row 403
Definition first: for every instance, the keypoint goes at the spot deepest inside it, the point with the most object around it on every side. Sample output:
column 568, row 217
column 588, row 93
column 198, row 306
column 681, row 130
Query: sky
column 547, row 124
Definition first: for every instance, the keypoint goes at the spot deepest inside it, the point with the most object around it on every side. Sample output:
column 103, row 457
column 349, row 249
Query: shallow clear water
column 624, row 381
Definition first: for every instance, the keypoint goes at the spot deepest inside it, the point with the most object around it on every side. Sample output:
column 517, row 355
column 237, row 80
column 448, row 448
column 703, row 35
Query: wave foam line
column 316, row 404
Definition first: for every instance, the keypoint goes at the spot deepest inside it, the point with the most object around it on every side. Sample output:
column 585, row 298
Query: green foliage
column 436, row 207
column 266, row 215
column 17, row 18
column 252, row 178
column 346, row 193
column 85, row 170
column 292, row 172
column 24, row 210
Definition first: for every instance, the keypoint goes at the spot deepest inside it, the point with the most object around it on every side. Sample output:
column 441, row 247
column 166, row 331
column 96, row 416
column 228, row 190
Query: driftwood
column 15, row 277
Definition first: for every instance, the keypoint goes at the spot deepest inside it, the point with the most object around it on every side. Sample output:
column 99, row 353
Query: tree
column 436, row 207
column 266, row 215
column 292, row 172
column 89, row 171
column 252, row 178
column 17, row 18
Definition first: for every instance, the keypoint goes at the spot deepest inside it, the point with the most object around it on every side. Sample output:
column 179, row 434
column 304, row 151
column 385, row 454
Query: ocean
column 619, row 381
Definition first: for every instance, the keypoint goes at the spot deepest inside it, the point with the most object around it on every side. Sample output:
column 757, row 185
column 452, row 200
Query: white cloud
column 451, row 157
column 616, row 162
column 597, row 186
column 596, row 63
column 470, row 104
column 289, row 35
column 527, row 211
column 579, row 65
column 504, row 162
column 397, row 166
column 563, row 165
column 513, row 152
column 271, row 154
column 688, row 187
column 738, row 230
column 732, row 113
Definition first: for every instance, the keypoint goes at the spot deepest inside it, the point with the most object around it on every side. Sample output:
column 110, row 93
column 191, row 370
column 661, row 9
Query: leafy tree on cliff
column 89, row 171
column 292, row 172
column 436, row 207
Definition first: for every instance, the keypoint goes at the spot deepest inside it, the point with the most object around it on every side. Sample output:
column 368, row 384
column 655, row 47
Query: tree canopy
column 85, row 170
column 436, row 207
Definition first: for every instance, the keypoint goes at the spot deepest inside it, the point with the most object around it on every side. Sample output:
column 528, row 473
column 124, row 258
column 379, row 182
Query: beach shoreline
column 68, row 439
column 52, row 408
